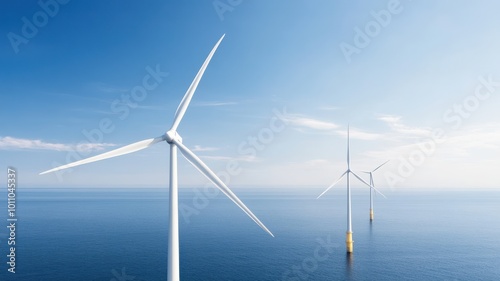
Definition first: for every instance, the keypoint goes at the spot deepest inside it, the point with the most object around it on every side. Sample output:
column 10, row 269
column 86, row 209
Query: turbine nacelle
column 172, row 137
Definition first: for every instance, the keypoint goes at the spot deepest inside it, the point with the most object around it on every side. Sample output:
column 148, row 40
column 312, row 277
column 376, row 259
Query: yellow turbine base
column 371, row 214
column 349, row 242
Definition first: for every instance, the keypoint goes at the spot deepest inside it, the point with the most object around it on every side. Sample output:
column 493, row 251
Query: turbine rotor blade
column 113, row 153
column 203, row 168
column 381, row 165
column 334, row 183
column 181, row 109
column 371, row 186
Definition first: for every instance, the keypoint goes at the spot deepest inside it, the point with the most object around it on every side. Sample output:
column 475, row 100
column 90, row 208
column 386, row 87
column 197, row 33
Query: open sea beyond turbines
column 102, row 234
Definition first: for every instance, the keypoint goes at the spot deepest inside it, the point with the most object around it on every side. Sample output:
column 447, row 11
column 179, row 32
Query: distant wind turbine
column 372, row 187
column 175, row 141
column 348, row 240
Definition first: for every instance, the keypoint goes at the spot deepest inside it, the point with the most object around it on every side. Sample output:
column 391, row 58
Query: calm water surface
column 111, row 234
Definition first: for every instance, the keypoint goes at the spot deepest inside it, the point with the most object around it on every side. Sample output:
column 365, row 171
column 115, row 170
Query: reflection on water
column 349, row 266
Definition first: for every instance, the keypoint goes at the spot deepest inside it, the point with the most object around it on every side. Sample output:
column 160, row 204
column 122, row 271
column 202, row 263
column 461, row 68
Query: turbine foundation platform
column 349, row 242
column 371, row 214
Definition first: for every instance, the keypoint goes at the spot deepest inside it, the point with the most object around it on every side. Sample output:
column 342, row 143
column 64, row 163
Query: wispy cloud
column 459, row 144
column 329, row 108
column 317, row 162
column 106, row 88
column 468, row 141
column 68, row 96
column 11, row 143
column 243, row 158
column 215, row 103
column 358, row 134
column 403, row 138
column 152, row 107
column 397, row 126
column 202, row 148
column 302, row 121
column 110, row 112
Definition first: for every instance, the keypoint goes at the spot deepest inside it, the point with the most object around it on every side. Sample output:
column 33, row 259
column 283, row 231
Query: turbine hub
column 172, row 135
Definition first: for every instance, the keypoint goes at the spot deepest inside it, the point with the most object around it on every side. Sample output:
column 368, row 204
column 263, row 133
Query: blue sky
column 419, row 84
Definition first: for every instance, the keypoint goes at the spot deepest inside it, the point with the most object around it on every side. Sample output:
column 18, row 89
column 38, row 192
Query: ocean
column 121, row 234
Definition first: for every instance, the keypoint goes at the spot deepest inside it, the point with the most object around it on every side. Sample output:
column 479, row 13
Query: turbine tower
column 348, row 240
column 371, row 188
column 175, row 142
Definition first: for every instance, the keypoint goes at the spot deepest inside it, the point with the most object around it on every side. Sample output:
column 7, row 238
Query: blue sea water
column 121, row 234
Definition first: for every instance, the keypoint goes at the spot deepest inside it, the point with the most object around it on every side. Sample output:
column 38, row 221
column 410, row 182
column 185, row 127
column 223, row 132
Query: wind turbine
column 348, row 240
column 175, row 142
column 371, row 188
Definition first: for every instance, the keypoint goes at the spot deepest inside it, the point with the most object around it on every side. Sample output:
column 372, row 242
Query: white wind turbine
column 348, row 240
column 175, row 142
column 372, row 187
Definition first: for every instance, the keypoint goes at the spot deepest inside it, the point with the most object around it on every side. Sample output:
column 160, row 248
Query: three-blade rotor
column 350, row 171
column 342, row 176
column 372, row 183
column 173, row 138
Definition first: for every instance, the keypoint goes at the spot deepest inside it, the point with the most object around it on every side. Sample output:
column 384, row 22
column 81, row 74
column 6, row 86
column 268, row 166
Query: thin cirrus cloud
column 215, row 103
column 461, row 143
column 197, row 148
column 358, row 134
column 242, row 158
column 403, row 138
column 302, row 121
column 106, row 88
column 461, row 149
column 329, row 108
column 317, row 162
column 467, row 142
column 397, row 126
column 11, row 143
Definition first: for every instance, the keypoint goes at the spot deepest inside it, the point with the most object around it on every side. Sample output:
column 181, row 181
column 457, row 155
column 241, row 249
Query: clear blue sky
column 396, row 71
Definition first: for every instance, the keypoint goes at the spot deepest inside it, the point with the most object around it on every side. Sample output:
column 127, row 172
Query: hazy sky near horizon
column 418, row 82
